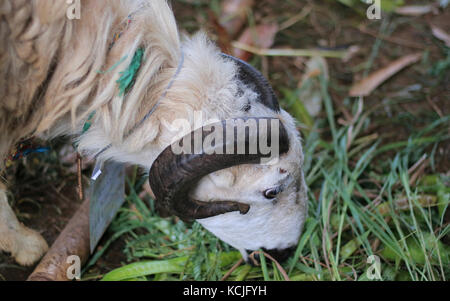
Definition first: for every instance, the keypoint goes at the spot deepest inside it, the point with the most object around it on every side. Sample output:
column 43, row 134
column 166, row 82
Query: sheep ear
column 253, row 78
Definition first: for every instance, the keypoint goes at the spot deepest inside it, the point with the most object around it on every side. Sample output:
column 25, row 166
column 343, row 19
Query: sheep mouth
column 280, row 255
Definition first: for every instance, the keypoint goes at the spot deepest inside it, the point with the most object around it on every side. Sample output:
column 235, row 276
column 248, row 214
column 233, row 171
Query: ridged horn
column 174, row 174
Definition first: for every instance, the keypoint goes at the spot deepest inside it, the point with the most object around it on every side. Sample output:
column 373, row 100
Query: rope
column 23, row 149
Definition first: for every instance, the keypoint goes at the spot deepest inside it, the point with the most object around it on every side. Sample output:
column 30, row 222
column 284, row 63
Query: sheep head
column 245, row 195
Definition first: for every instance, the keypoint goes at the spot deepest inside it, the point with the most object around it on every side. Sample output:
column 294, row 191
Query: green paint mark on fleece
column 128, row 76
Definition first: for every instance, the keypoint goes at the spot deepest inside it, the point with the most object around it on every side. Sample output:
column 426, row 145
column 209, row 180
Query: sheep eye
column 272, row 193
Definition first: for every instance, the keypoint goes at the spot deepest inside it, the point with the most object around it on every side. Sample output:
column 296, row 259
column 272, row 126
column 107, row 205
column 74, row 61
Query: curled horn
column 253, row 78
column 172, row 176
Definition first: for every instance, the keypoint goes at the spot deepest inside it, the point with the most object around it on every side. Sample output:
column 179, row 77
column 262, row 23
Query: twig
column 79, row 177
column 289, row 52
column 233, row 268
column 314, row 261
column 73, row 240
column 368, row 194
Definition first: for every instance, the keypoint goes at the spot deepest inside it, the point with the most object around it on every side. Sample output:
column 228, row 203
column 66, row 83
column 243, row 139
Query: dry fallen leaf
column 234, row 15
column 370, row 83
column 260, row 36
column 441, row 35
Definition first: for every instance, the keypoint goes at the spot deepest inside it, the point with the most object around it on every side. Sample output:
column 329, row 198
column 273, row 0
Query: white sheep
column 55, row 72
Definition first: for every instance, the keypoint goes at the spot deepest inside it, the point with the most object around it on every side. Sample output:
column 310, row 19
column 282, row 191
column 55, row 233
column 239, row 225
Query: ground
column 379, row 178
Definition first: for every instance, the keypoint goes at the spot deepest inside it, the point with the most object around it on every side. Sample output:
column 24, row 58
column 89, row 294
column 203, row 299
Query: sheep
column 57, row 73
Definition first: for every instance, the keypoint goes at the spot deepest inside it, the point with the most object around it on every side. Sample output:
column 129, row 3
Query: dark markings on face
column 240, row 92
column 247, row 107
